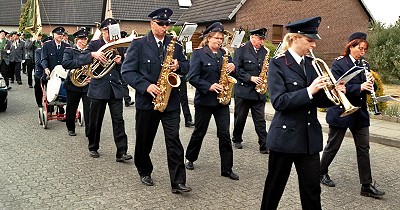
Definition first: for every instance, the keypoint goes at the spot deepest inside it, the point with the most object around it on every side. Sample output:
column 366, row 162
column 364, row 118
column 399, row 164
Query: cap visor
column 59, row 33
column 313, row 36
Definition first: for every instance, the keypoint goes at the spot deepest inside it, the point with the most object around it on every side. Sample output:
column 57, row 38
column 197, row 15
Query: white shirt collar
column 158, row 40
column 296, row 57
column 352, row 59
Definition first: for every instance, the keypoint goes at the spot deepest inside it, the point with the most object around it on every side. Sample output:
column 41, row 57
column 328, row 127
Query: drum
column 55, row 90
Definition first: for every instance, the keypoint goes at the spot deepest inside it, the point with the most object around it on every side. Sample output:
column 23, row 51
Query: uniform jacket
column 5, row 52
column 29, row 50
column 52, row 57
column 360, row 118
column 248, row 63
column 295, row 127
column 39, row 71
column 110, row 83
column 70, row 62
column 142, row 67
column 205, row 70
column 17, row 51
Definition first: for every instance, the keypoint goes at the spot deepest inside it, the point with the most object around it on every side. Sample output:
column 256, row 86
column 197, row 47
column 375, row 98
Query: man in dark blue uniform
column 358, row 122
column 103, row 91
column 249, row 59
column 5, row 46
column 141, row 70
column 75, row 94
column 127, row 98
column 295, row 135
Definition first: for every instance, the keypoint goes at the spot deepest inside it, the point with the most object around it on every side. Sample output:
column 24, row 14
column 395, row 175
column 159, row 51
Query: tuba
column 79, row 77
column 336, row 97
column 263, row 87
column 167, row 79
column 98, row 69
column 227, row 82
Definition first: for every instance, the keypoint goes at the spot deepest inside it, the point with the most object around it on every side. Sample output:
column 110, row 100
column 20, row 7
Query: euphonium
column 167, row 79
column 98, row 69
column 79, row 77
column 226, row 81
column 336, row 97
column 263, row 87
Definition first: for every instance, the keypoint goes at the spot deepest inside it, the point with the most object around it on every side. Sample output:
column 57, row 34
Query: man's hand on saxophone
column 174, row 65
column 256, row 80
column 231, row 68
column 216, row 88
column 153, row 90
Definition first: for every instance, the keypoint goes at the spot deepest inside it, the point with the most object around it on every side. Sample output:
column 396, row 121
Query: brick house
column 275, row 14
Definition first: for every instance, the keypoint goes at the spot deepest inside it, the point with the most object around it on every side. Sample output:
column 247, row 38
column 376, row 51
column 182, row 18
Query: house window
column 277, row 33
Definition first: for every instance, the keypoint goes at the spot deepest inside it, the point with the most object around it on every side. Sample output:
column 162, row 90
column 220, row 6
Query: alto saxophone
column 227, row 82
column 167, row 79
column 263, row 87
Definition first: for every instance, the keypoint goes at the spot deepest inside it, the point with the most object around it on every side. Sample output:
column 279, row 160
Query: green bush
column 384, row 51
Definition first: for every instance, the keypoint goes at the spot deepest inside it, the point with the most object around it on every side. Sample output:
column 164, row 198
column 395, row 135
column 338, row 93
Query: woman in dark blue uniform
column 295, row 135
column 74, row 94
column 204, row 75
column 358, row 122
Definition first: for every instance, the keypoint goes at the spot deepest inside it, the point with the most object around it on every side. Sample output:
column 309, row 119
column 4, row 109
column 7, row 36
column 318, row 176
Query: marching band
column 294, row 86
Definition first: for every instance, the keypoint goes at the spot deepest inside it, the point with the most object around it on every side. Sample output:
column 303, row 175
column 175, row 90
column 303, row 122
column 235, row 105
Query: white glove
column 23, row 61
column 8, row 51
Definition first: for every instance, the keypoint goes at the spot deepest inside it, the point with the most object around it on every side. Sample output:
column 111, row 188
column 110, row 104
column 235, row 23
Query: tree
column 384, row 51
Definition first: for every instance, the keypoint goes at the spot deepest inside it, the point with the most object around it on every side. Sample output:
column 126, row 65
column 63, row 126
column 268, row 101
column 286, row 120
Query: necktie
column 357, row 63
column 303, row 66
column 160, row 50
column 58, row 47
column 257, row 50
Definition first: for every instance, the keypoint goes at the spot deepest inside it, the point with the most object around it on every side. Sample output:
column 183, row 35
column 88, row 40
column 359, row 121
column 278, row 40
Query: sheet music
column 187, row 32
column 387, row 98
column 237, row 38
column 114, row 31
column 350, row 74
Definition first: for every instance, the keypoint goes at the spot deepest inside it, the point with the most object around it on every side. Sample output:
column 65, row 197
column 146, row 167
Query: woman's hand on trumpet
column 341, row 87
column 318, row 83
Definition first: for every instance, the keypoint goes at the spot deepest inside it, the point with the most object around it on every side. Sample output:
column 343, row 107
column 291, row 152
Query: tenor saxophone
column 167, row 79
column 263, row 87
column 226, row 81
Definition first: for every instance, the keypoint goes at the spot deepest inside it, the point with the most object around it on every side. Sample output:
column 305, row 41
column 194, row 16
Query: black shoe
column 189, row 123
column 12, row 81
column 371, row 191
column 147, row 180
column 326, row 180
column 9, row 88
column 237, row 145
column 180, row 188
column 230, row 175
column 189, row 165
column 129, row 104
column 19, row 83
column 30, row 86
column 71, row 133
column 264, row 151
column 94, row 154
column 124, row 157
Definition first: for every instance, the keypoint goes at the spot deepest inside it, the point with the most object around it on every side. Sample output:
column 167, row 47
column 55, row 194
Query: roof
column 137, row 10
column 52, row 12
column 202, row 11
column 367, row 10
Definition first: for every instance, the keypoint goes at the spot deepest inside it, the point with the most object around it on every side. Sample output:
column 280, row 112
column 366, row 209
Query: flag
column 30, row 20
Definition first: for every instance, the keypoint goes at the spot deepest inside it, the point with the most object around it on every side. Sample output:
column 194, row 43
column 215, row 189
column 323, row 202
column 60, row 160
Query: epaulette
column 279, row 55
column 68, row 47
column 48, row 41
column 198, row 48
column 242, row 45
column 339, row 58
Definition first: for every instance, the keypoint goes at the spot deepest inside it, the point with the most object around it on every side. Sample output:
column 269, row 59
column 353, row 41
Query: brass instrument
column 263, row 87
column 167, row 79
column 79, row 77
column 226, row 81
column 98, row 69
column 373, row 96
column 337, row 97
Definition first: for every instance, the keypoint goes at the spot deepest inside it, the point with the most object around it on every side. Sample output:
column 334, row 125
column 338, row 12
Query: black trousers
column 361, row 140
column 242, row 107
column 15, row 67
column 38, row 92
column 5, row 72
column 73, row 99
column 184, row 99
column 147, row 122
column 29, row 70
column 279, row 167
column 127, row 98
column 202, row 119
column 96, row 116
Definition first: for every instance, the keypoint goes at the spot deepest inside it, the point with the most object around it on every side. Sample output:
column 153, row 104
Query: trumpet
column 373, row 96
column 336, row 97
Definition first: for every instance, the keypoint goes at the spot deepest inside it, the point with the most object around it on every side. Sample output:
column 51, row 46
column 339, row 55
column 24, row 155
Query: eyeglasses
column 163, row 23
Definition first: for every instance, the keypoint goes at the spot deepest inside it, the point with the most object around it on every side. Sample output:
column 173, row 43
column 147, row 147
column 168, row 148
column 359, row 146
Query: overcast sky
column 385, row 11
